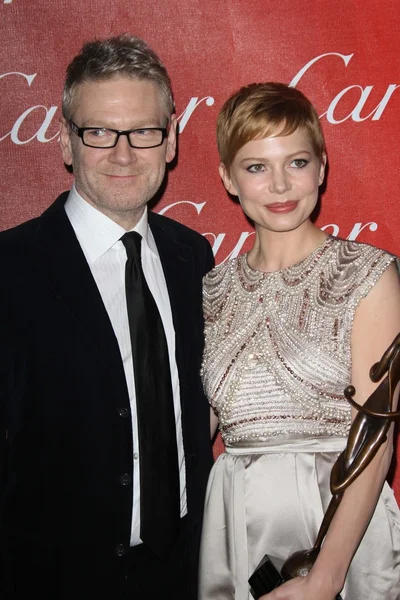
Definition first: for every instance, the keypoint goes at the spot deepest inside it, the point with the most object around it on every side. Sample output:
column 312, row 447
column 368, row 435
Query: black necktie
column 158, row 454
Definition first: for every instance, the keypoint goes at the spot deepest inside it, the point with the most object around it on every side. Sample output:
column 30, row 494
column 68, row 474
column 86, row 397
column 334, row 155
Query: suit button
column 123, row 412
column 125, row 479
column 120, row 550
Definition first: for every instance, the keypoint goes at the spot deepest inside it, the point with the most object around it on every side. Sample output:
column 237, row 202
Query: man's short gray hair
column 123, row 55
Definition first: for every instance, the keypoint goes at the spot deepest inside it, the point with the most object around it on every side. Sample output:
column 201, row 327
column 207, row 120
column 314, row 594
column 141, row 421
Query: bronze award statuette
column 367, row 433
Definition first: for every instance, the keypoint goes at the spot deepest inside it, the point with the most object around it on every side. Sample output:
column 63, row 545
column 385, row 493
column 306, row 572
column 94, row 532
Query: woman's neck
column 273, row 251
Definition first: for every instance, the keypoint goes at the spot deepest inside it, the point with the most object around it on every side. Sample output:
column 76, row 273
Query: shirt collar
column 96, row 232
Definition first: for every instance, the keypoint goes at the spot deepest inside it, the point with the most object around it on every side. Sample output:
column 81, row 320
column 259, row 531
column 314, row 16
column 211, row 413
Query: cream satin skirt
column 269, row 501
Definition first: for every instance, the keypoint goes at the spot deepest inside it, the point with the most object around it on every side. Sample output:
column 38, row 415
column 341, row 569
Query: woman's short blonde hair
column 263, row 110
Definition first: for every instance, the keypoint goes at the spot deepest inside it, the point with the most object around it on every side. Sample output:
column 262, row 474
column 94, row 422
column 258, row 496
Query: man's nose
column 122, row 153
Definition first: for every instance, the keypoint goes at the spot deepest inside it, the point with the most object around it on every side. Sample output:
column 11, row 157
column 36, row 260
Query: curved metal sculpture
column 371, row 424
column 367, row 433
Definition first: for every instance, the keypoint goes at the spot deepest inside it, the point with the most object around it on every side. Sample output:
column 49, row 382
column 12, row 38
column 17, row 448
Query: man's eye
column 258, row 168
column 144, row 132
column 98, row 133
column 299, row 163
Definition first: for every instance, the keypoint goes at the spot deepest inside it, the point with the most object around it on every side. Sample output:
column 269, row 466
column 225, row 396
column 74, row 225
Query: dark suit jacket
column 63, row 394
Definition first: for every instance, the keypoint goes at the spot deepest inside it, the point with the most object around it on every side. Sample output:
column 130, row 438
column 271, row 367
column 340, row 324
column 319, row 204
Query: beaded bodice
column 277, row 354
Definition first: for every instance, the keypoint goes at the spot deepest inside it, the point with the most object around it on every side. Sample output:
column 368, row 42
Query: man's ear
column 65, row 141
column 171, row 139
column 227, row 181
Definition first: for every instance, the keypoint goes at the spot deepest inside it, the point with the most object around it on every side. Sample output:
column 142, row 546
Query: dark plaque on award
column 367, row 433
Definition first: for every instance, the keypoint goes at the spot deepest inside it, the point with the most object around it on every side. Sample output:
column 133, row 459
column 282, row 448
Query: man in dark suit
column 73, row 478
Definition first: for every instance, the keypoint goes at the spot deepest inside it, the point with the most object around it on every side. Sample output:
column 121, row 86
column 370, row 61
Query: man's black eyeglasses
column 102, row 137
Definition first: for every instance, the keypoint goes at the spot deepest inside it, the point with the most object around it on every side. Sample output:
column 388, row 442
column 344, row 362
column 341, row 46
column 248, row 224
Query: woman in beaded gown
column 289, row 325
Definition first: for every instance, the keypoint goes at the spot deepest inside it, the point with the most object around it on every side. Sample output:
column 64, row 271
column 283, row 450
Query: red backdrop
column 343, row 55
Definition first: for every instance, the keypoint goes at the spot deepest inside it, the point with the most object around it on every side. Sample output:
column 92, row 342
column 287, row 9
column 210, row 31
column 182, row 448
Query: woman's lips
column 282, row 207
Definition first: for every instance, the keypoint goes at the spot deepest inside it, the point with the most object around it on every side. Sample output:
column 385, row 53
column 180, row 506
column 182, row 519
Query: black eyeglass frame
column 81, row 130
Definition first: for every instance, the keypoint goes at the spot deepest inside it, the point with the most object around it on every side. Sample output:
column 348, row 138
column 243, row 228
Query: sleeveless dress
column 277, row 359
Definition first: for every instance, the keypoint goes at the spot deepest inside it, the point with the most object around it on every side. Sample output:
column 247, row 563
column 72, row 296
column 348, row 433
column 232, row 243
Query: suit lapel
column 177, row 263
column 58, row 255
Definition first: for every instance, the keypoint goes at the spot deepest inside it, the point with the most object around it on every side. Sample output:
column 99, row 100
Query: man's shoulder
column 181, row 232
column 170, row 234
column 19, row 234
column 16, row 245
column 25, row 232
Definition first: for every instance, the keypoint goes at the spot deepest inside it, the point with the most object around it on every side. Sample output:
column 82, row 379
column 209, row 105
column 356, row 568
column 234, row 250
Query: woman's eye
column 299, row 163
column 255, row 168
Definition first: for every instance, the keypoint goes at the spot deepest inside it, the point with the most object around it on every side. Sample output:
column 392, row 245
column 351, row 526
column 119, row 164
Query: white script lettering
column 217, row 239
column 331, row 113
column 191, row 107
column 40, row 133
column 355, row 114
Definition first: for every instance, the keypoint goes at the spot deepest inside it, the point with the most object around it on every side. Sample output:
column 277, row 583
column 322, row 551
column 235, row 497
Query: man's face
column 118, row 181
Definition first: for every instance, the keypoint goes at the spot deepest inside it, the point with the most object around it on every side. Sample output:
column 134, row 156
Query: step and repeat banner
column 344, row 55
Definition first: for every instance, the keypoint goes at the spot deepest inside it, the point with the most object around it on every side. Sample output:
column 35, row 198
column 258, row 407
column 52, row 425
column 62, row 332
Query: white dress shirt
column 99, row 238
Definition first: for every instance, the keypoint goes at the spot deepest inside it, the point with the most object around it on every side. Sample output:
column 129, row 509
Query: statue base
column 266, row 578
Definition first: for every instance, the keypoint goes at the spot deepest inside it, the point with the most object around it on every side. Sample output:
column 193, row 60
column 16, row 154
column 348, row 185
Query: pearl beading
column 277, row 345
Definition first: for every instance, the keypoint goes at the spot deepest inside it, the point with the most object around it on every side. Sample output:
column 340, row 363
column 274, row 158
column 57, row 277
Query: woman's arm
column 376, row 324
column 213, row 423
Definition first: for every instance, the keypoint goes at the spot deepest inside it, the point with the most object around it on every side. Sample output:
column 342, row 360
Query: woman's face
column 276, row 180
